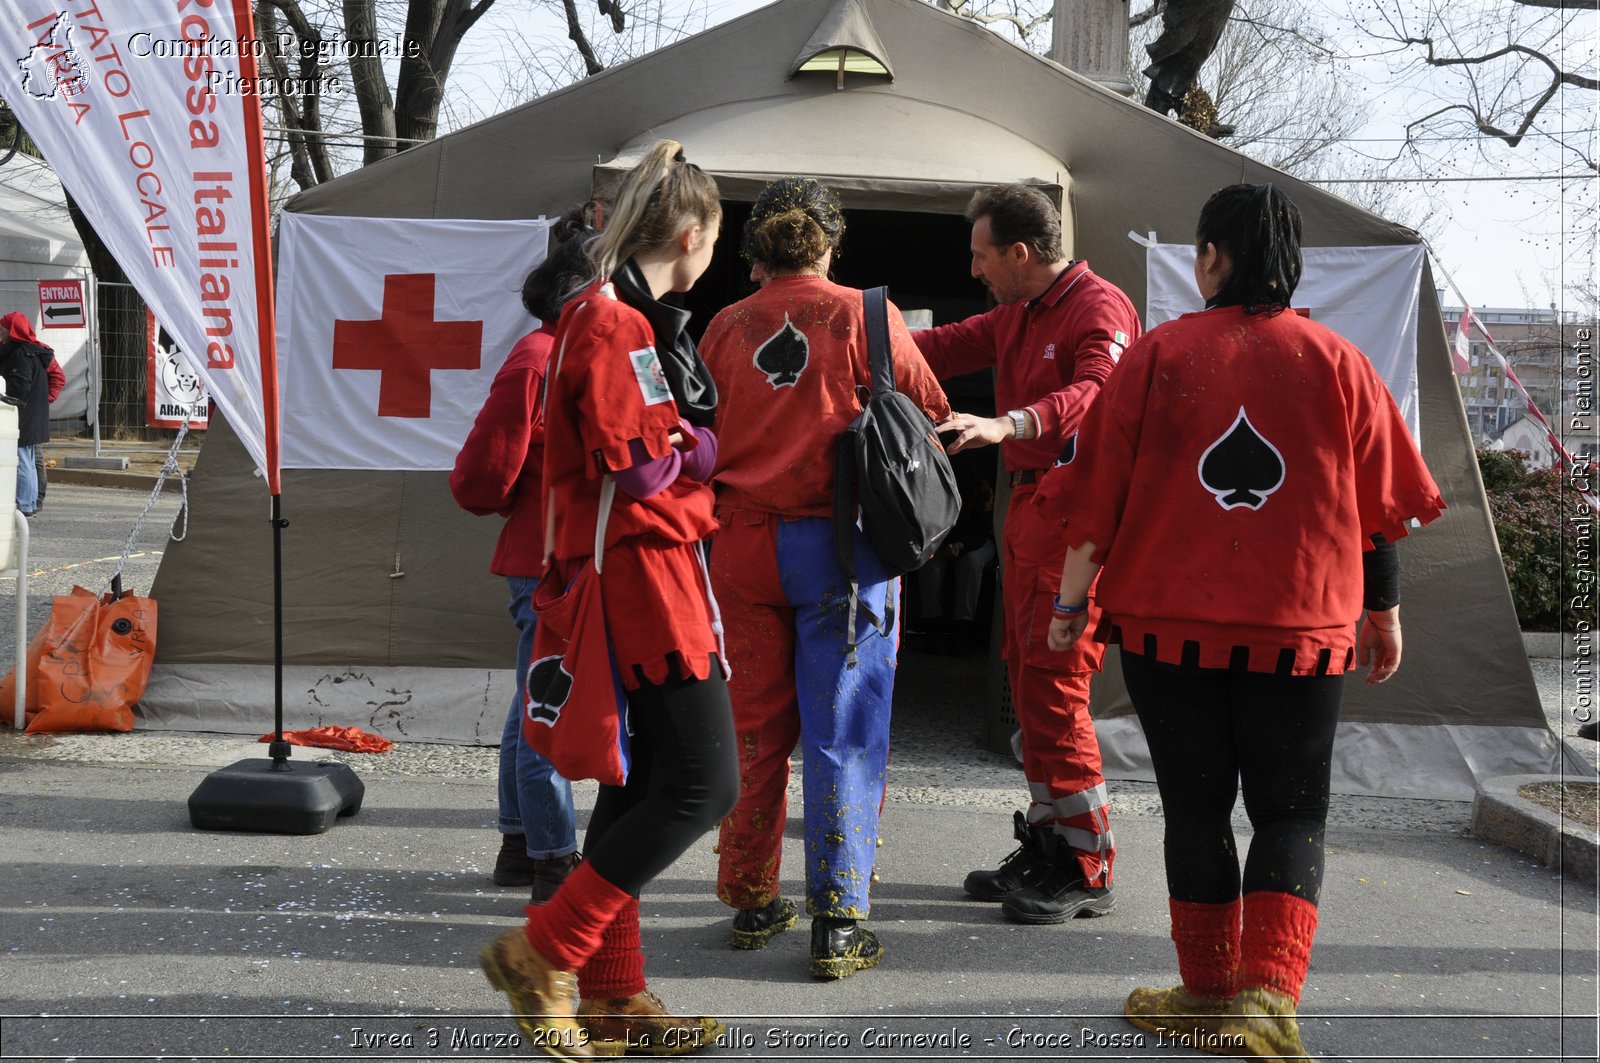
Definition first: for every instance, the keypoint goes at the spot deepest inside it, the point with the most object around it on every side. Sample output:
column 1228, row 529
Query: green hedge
column 1534, row 513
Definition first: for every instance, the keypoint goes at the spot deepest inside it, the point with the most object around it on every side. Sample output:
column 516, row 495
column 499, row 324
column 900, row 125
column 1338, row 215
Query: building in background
column 1538, row 345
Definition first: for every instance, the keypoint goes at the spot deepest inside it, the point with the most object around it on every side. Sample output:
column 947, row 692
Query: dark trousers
column 1211, row 731
column 683, row 779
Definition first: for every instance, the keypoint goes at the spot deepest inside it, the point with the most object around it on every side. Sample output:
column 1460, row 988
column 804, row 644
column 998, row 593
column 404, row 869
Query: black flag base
column 275, row 797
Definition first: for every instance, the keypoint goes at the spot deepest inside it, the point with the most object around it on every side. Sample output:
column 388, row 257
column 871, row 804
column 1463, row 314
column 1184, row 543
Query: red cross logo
column 406, row 344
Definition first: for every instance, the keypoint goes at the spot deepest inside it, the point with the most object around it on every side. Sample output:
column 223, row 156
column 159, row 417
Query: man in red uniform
column 1054, row 339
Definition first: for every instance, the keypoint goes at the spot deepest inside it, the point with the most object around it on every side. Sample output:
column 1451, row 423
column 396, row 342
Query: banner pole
column 279, row 749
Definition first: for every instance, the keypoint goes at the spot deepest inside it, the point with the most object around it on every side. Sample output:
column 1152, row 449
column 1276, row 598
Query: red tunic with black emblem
column 1230, row 475
column 787, row 362
column 1051, row 355
column 609, row 389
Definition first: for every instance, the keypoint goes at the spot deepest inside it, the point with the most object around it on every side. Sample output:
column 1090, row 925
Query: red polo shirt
column 1052, row 354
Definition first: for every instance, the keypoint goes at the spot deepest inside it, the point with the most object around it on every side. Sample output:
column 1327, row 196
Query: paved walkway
column 125, row 934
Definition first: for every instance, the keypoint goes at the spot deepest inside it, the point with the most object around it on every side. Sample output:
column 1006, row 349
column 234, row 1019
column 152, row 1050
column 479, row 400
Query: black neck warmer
column 687, row 375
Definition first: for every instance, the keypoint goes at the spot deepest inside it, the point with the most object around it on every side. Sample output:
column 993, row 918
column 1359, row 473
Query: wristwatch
column 1019, row 423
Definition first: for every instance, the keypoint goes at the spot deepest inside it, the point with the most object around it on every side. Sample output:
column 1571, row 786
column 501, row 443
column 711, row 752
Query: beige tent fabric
column 848, row 28
column 384, row 572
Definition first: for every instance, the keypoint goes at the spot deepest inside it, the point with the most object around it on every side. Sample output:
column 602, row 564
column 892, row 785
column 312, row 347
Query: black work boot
column 1024, row 867
column 841, row 947
column 512, row 865
column 754, row 927
column 549, row 874
column 1061, row 893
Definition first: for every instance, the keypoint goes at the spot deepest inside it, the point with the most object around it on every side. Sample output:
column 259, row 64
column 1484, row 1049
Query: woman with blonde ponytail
column 628, row 411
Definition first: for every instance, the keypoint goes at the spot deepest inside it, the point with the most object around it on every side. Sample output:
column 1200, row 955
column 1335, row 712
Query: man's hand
column 974, row 431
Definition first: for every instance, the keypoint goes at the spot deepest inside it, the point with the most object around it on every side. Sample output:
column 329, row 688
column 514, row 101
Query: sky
column 1505, row 242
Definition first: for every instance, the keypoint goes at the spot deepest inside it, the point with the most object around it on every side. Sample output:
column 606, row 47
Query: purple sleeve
column 647, row 476
column 702, row 460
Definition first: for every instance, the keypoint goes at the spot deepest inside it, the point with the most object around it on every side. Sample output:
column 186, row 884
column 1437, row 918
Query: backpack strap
column 875, row 307
column 880, row 360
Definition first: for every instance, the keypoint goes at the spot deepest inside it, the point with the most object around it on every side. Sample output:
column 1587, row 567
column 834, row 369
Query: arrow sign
column 61, row 304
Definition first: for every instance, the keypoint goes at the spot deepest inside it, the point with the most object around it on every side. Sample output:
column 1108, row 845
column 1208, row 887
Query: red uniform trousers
column 1050, row 693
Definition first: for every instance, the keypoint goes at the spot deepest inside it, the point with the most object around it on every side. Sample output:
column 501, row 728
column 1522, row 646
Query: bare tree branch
column 1024, row 24
column 1559, row 77
column 591, row 62
column 1154, row 11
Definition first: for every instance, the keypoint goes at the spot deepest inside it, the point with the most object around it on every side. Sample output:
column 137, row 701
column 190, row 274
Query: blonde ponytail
column 658, row 197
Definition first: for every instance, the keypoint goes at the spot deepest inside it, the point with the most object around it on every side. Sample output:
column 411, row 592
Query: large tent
column 39, row 243
column 391, row 620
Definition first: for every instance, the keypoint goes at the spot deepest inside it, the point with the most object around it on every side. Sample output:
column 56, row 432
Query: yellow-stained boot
column 543, row 997
column 642, row 1024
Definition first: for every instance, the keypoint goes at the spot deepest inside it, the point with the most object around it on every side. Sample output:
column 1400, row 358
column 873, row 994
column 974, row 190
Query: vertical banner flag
column 150, row 113
column 1368, row 295
column 1462, row 345
column 391, row 330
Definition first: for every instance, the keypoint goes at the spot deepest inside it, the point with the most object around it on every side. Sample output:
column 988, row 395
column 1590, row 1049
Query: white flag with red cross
column 390, row 331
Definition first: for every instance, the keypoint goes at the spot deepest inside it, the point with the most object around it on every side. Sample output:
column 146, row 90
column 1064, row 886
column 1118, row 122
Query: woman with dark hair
column 627, row 411
column 788, row 363
column 499, row 471
column 1242, row 479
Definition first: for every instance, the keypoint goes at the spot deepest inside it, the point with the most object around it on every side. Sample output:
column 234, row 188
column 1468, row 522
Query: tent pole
column 279, row 749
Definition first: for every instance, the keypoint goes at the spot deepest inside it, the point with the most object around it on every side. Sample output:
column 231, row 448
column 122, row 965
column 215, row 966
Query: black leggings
column 683, row 780
column 1208, row 730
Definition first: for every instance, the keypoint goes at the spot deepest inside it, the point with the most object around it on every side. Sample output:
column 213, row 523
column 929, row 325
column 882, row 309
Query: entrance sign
column 61, row 304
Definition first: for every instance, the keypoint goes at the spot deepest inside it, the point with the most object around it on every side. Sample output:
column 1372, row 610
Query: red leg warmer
column 1276, row 944
column 571, row 926
column 617, row 970
column 1207, row 938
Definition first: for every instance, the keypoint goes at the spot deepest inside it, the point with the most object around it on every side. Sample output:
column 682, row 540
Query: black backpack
column 891, row 463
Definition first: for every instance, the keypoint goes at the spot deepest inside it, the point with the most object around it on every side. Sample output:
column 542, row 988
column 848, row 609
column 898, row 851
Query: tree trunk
column 119, row 334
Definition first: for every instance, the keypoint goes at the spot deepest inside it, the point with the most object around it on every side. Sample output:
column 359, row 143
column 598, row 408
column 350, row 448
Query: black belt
column 1026, row 476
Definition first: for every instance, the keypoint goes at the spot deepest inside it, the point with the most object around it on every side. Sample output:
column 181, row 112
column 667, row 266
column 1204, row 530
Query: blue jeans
column 27, row 479
column 534, row 800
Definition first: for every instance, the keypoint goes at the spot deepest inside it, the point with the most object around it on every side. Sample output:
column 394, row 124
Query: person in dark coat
column 25, row 367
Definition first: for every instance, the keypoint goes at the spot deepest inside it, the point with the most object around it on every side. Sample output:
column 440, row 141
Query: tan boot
column 642, row 1024
column 542, row 997
column 1261, row 1023
column 1178, row 1015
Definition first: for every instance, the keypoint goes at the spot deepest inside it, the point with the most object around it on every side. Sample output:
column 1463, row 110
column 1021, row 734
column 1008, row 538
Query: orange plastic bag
column 89, row 666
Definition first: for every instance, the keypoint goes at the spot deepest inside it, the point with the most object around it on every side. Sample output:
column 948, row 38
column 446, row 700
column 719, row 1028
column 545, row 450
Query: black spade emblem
column 1242, row 467
column 548, row 687
column 783, row 357
column 1068, row 452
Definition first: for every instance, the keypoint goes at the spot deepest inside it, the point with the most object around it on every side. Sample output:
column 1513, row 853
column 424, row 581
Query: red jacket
column 1230, row 476
column 787, row 362
column 1052, row 354
column 501, row 464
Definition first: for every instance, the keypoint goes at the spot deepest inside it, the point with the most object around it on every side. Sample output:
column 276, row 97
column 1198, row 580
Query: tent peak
column 844, row 42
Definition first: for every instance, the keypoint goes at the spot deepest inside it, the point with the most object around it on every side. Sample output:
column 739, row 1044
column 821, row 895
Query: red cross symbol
column 406, row 344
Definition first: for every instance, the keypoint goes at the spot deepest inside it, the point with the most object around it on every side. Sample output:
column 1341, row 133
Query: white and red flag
column 390, row 332
column 1461, row 345
column 137, row 105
